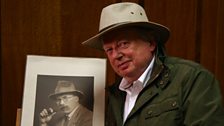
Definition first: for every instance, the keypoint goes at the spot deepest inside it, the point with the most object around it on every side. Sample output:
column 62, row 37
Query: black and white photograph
column 64, row 100
column 64, row 91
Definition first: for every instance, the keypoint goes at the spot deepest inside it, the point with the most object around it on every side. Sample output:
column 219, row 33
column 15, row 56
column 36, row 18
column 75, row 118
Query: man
column 154, row 89
column 66, row 97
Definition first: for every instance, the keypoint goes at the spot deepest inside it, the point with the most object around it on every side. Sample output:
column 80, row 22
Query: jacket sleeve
column 202, row 105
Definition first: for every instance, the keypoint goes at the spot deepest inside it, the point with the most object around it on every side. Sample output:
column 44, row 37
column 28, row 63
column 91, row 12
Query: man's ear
column 76, row 98
column 152, row 45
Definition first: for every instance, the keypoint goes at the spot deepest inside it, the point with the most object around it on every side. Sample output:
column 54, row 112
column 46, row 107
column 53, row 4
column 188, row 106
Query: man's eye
column 123, row 44
column 108, row 50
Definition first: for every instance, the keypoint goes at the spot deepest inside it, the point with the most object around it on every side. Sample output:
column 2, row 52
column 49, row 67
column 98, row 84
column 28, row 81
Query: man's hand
column 46, row 115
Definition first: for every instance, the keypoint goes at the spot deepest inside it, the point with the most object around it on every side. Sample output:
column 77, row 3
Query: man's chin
column 124, row 74
column 67, row 112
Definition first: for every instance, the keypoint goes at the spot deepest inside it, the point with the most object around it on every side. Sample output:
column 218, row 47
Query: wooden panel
column 134, row 1
column 180, row 17
column 209, row 34
column 43, row 27
column 57, row 27
column 79, row 22
column 27, row 27
column 212, row 38
column 219, row 69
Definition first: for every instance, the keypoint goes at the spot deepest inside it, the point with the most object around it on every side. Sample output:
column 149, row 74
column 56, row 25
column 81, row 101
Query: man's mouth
column 123, row 65
column 63, row 108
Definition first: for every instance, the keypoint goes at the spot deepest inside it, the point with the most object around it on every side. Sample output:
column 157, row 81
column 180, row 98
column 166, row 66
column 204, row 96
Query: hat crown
column 125, row 14
column 65, row 86
column 121, row 13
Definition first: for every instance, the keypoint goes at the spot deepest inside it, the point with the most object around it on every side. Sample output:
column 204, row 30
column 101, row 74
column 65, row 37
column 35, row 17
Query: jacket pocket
column 160, row 108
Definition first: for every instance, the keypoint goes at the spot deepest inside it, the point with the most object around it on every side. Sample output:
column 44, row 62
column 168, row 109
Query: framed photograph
column 54, row 86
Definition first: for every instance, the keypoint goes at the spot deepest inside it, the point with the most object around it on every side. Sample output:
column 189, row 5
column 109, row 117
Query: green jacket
column 179, row 93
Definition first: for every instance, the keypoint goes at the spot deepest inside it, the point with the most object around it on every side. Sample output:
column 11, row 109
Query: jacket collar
column 116, row 101
column 118, row 96
column 153, row 86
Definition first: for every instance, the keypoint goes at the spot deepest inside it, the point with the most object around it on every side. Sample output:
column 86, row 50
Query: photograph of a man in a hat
column 67, row 98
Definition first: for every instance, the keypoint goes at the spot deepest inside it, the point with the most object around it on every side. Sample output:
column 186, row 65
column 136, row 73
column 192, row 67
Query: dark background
column 57, row 27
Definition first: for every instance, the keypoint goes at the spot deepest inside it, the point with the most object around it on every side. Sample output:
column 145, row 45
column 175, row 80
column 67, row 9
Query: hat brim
column 77, row 93
column 161, row 33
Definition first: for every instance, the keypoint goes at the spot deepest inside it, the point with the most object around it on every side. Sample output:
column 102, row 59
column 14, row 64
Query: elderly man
column 154, row 89
column 67, row 97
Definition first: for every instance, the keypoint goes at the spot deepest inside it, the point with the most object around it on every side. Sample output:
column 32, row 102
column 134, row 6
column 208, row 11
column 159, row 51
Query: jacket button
column 150, row 112
column 174, row 104
column 166, row 75
column 161, row 83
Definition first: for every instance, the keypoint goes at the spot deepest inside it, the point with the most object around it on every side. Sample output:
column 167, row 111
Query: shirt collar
column 142, row 79
column 71, row 113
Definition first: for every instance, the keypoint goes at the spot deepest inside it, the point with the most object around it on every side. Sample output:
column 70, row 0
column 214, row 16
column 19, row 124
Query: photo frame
column 42, row 75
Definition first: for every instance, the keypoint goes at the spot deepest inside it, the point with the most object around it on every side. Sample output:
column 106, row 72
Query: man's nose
column 61, row 102
column 118, row 55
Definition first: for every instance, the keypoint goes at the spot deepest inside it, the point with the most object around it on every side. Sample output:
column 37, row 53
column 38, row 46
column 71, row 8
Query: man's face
column 128, row 52
column 67, row 102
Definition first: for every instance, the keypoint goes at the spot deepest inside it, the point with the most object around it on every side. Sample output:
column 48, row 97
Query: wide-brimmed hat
column 125, row 14
column 65, row 87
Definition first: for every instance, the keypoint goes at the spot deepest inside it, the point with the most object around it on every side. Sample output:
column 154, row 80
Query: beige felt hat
column 65, row 87
column 125, row 14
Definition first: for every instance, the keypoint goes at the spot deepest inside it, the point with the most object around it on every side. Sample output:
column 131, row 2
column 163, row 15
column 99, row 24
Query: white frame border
column 65, row 66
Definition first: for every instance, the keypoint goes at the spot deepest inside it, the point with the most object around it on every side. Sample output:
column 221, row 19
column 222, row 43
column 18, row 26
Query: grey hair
column 149, row 35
